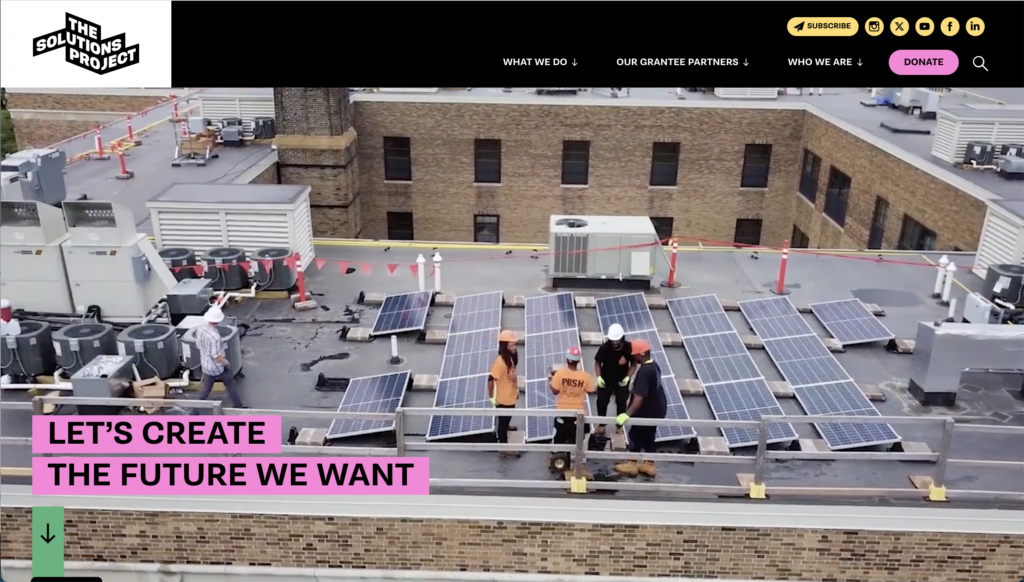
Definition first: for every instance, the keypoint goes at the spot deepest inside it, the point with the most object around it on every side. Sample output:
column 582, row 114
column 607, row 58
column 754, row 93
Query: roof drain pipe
column 223, row 296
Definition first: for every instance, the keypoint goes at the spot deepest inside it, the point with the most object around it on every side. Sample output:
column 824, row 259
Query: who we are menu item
column 202, row 475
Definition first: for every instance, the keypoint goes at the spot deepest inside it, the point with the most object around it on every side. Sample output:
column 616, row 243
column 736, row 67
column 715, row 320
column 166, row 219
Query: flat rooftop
column 286, row 350
column 842, row 104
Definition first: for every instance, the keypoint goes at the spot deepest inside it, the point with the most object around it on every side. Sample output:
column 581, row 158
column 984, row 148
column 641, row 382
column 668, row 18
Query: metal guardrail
column 757, row 489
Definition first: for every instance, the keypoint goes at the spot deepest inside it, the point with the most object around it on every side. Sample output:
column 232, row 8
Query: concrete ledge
column 904, row 346
column 444, row 299
column 670, row 339
column 729, row 305
column 585, row 302
column 916, row 448
column 517, row 301
column 833, row 345
column 374, row 298
column 781, row 389
column 875, row 309
column 312, row 437
column 752, row 342
column 98, row 117
column 359, row 334
column 690, row 387
column 874, row 393
column 716, row 446
column 425, row 381
column 435, row 337
column 814, row 446
column 591, row 338
column 802, row 307
column 656, row 302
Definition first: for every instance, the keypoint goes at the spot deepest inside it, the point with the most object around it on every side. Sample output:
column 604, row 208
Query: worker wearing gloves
column 647, row 400
column 503, row 386
column 614, row 365
column 570, row 385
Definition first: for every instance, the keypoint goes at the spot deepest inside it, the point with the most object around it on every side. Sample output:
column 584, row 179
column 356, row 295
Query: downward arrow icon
column 48, row 538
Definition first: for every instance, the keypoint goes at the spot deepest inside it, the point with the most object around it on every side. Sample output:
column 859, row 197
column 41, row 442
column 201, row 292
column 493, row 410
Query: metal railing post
column 400, row 432
column 577, row 469
column 757, row 487
column 37, row 406
column 939, row 477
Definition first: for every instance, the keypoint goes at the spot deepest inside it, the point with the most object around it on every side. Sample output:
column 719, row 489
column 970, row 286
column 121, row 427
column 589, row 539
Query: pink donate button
column 924, row 62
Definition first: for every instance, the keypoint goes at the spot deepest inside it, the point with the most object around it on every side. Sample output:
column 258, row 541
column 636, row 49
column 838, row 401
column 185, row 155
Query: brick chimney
column 316, row 146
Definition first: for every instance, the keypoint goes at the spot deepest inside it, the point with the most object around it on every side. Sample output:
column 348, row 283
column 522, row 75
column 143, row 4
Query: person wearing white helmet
column 215, row 365
column 613, row 365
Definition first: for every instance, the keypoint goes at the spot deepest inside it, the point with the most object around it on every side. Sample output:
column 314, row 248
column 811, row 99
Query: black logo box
column 67, row 28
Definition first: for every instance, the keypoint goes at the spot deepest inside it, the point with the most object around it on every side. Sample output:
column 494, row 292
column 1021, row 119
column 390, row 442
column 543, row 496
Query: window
column 877, row 235
column 487, row 161
column 398, row 159
column 757, row 159
column 663, row 226
column 485, row 228
column 809, row 175
column 748, row 232
column 799, row 240
column 400, row 226
column 915, row 236
column 575, row 163
column 665, row 164
column 837, row 196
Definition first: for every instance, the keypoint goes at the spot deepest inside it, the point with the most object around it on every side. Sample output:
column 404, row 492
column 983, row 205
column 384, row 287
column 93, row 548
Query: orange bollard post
column 98, row 154
column 131, row 133
column 780, row 289
column 672, row 265
column 125, row 173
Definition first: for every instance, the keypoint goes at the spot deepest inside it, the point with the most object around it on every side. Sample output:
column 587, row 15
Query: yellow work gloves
column 621, row 419
column 494, row 401
column 624, row 382
column 600, row 382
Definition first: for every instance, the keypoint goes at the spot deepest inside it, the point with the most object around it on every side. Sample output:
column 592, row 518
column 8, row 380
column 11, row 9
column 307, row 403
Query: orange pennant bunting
column 268, row 264
column 366, row 267
column 343, row 267
column 414, row 269
column 392, row 268
column 198, row 269
column 320, row 263
column 246, row 265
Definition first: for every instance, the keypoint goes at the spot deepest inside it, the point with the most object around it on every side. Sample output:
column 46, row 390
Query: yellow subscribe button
column 823, row 26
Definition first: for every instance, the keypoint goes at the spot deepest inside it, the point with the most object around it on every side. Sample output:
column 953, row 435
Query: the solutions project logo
column 84, row 46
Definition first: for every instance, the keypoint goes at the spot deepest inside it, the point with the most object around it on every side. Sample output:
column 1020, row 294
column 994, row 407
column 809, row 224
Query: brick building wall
column 36, row 132
column 531, row 547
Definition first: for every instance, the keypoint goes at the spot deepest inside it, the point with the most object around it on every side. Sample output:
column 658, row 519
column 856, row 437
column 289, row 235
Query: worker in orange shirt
column 503, row 386
column 570, row 385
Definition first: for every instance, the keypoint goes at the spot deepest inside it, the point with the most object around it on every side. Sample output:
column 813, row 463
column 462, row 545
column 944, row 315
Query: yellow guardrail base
column 936, row 493
column 577, row 485
column 758, row 491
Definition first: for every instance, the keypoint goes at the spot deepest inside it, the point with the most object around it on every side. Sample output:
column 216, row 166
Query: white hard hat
column 615, row 332
column 214, row 315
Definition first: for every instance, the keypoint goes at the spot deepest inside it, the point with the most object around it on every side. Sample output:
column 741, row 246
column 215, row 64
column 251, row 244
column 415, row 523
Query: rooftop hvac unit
column 980, row 154
column 245, row 216
column 1014, row 150
column 264, row 128
column 110, row 264
column 280, row 276
column 613, row 251
column 197, row 125
column 224, row 268
column 747, row 92
column 103, row 377
column 78, row 344
column 245, row 104
column 154, row 346
column 180, row 261
column 233, row 136
column 1010, row 168
column 190, row 297
column 230, row 122
column 232, row 350
column 29, row 353
column 34, row 275
column 40, row 176
column 957, row 127
column 1006, row 282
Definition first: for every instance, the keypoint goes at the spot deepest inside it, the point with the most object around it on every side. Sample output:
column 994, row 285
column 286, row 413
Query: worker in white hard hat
column 216, row 367
column 614, row 365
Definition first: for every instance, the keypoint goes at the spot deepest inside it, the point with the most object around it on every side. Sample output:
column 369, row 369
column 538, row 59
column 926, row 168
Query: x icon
column 899, row 26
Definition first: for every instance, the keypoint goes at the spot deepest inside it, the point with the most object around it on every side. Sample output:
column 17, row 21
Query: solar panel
column 405, row 312
column 551, row 329
column 850, row 322
column 733, row 384
column 382, row 394
column 820, row 383
column 468, row 355
column 633, row 314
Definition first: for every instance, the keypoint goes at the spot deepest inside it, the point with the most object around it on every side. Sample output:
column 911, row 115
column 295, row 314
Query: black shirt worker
column 647, row 400
column 614, row 364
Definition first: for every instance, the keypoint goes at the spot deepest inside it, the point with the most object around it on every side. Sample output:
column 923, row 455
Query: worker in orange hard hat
column 647, row 400
column 570, row 385
column 503, row 386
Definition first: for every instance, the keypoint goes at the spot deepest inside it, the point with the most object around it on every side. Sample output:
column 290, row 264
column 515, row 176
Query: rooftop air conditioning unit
column 232, row 350
column 29, row 353
column 1014, row 150
column 606, row 251
column 155, row 348
column 979, row 154
column 78, row 344
column 1011, row 168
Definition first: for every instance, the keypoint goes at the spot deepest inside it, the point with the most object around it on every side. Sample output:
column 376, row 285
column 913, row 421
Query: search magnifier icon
column 979, row 63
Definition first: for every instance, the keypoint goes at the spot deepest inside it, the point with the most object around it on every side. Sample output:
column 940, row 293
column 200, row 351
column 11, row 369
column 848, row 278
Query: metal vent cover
column 571, row 222
column 273, row 253
column 85, row 330
column 147, row 331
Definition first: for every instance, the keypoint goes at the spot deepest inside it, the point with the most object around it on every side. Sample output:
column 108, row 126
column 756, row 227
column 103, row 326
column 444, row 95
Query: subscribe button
column 823, row 26
column 924, row 62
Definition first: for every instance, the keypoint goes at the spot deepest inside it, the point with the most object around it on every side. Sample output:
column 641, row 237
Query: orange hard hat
column 640, row 346
column 507, row 336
